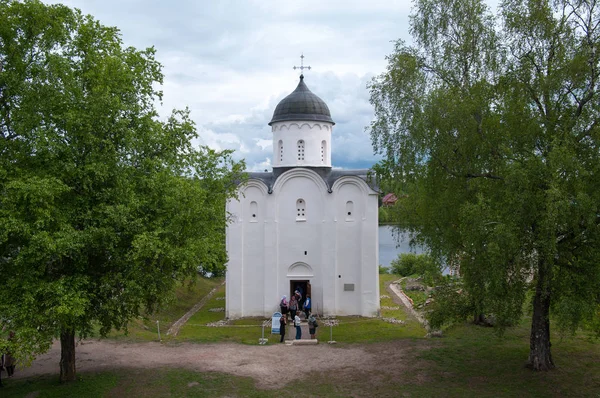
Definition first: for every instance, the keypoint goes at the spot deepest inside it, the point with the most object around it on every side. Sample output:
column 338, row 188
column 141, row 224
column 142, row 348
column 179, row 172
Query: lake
column 389, row 247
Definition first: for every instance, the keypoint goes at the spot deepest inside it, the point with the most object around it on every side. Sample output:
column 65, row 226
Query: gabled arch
column 300, row 270
column 300, row 172
column 254, row 183
column 352, row 180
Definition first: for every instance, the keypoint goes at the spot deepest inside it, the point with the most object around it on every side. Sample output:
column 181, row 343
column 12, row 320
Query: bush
column 451, row 304
column 384, row 216
column 383, row 270
column 417, row 264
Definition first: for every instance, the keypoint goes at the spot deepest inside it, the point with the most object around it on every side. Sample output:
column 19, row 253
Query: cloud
column 231, row 62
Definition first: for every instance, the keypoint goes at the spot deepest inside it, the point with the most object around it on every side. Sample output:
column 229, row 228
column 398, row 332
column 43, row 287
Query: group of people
column 7, row 363
column 293, row 306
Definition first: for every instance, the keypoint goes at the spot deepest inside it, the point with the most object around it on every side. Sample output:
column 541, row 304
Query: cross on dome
column 302, row 67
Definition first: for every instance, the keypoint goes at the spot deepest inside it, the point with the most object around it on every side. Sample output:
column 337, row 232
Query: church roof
column 301, row 104
column 329, row 176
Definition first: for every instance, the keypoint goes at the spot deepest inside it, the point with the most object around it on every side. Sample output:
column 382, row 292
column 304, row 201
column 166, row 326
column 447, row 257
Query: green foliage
column 104, row 208
column 417, row 264
column 489, row 124
column 383, row 270
column 385, row 215
column 451, row 304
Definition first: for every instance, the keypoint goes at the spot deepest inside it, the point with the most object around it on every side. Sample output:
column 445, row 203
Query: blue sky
column 231, row 62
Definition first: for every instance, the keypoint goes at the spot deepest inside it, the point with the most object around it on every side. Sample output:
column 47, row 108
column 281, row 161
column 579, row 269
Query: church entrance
column 303, row 286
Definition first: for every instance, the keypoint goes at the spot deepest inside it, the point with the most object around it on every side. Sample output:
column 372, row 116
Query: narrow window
column 253, row 212
column 300, row 210
column 280, row 151
column 323, row 151
column 301, row 150
column 349, row 211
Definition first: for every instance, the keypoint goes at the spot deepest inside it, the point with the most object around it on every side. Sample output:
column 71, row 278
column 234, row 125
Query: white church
column 304, row 225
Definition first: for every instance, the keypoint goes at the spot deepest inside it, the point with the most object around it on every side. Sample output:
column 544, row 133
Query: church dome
column 301, row 104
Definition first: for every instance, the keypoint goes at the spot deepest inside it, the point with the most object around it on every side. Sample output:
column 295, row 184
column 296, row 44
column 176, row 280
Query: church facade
column 304, row 225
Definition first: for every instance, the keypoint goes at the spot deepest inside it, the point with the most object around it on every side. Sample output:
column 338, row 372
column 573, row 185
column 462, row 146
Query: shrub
column 417, row 264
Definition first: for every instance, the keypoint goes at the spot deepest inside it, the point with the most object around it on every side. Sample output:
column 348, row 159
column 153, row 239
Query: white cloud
column 231, row 62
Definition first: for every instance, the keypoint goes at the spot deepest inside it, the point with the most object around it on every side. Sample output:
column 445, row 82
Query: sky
column 231, row 62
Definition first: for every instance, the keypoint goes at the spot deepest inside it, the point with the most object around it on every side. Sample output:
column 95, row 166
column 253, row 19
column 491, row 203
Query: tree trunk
column 67, row 355
column 540, row 357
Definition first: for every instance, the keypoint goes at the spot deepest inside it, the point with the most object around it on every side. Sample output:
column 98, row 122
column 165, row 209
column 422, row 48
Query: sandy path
column 263, row 363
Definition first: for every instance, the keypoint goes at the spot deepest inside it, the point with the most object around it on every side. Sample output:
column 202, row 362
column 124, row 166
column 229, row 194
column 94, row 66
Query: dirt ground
column 262, row 363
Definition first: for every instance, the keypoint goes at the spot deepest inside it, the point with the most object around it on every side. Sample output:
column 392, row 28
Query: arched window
column 349, row 211
column 280, row 145
column 300, row 209
column 253, row 212
column 323, row 151
column 301, row 150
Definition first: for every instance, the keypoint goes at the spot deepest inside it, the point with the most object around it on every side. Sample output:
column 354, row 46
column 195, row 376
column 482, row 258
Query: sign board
column 275, row 323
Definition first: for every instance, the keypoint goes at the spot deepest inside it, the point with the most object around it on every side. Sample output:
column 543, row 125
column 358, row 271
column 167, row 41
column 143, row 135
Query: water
column 390, row 248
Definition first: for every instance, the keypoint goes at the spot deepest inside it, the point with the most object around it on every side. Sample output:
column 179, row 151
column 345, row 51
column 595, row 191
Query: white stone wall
column 313, row 134
column 328, row 247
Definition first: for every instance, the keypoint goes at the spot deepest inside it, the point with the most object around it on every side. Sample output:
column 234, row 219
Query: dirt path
column 263, row 363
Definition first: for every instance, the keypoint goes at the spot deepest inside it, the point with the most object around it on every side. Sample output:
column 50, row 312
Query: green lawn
column 186, row 296
column 246, row 331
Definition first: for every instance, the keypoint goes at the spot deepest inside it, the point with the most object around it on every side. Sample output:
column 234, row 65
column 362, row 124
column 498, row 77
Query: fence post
column 158, row 328
column 262, row 340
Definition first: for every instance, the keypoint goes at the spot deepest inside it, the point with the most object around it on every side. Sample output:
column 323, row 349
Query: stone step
column 305, row 342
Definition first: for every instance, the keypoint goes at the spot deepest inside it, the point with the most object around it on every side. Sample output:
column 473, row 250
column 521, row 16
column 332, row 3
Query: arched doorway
column 299, row 276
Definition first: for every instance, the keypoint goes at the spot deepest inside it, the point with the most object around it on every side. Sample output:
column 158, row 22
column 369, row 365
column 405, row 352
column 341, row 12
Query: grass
column 186, row 296
column 245, row 331
column 350, row 330
column 372, row 330
column 147, row 383
column 417, row 296
column 470, row 361
column 480, row 361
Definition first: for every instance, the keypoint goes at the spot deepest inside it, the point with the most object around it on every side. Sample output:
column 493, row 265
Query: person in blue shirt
column 307, row 305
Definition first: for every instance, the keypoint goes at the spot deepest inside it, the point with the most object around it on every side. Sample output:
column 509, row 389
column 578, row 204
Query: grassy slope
column 186, row 296
column 246, row 331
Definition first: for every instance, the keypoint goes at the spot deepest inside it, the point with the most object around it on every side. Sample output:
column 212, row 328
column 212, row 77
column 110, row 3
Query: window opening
column 301, row 150
column 280, row 151
column 253, row 211
column 349, row 211
column 300, row 209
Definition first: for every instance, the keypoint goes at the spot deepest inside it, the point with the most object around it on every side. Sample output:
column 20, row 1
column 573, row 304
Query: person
column 282, row 326
column 307, row 305
column 298, row 294
column 283, row 305
column 1, row 368
column 293, row 306
column 9, row 364
column 298, row 329
column 312, row 326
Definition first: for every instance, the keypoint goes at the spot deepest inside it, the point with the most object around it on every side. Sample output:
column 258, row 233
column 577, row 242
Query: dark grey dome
column 301, row 104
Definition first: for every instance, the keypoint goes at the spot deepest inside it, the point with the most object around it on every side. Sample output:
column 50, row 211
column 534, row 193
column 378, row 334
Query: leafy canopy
column 103, row 206
column 489, row 123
